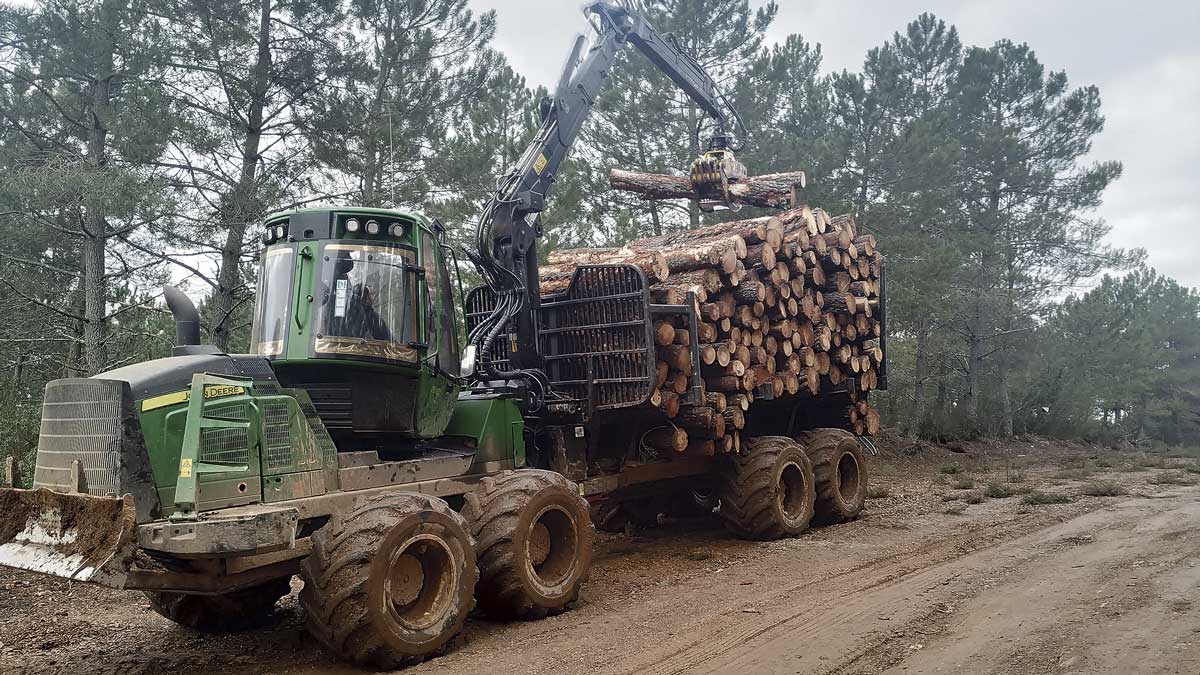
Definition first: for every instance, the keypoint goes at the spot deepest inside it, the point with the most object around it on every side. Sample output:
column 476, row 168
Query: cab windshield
column 366, row 302
column 271, row 315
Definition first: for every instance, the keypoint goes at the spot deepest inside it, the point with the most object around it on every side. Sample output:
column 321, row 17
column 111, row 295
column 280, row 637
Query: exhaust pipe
column 187, row 319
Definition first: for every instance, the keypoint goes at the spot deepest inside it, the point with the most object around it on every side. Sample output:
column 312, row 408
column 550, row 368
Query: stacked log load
column 787, row 305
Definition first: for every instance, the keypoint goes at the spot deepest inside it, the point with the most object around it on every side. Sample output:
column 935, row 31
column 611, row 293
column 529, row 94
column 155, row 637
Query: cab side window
column 443, row 321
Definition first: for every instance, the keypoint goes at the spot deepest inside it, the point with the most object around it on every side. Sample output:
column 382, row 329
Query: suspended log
column 768, row 191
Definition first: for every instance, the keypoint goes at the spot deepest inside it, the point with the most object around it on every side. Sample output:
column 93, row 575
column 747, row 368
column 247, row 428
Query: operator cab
column 356, row 306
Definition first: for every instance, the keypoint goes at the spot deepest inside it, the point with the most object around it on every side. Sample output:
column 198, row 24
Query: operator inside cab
column 367, row 303
column 353, row 306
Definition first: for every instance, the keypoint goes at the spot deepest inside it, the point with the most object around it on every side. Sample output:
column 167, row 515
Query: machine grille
column 81, row 420
column 225, row 446
column 276, row 434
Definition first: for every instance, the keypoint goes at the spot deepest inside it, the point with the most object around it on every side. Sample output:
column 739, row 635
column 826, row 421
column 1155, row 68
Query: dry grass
column 1073, row 474
column 955, row 510
column 973, row 498
column 997, row 491
column 950, row 469
column 964, row 483
column 1038, row 498
column 1102, row 488
column 1171, row 478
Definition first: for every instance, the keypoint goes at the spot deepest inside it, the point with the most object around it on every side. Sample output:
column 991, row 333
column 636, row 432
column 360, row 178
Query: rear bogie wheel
column 390, row 582
column 534, row 537
column 840, row 472
column 766, row 492
column 248, row 608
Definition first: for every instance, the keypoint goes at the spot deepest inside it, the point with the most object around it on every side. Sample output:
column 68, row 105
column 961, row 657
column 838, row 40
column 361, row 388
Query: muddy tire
column 534, row 537
column 390, row 582
column 840, row 472
column 767, row 492
column 694, row 503
column 240, row 610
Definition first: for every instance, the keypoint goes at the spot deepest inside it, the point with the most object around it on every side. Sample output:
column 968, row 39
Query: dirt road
column 1105, row 585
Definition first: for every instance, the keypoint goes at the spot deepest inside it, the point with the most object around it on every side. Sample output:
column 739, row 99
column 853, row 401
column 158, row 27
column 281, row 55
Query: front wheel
column 391, row 582
column 535, row 543
column 230, row 612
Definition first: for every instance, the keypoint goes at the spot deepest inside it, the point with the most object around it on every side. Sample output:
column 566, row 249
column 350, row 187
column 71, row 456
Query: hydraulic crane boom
column 506, row 244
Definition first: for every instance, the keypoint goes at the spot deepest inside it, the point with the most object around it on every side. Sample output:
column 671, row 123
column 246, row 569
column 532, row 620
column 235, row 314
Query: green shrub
column 964, row 483
column 973, row 498
column 950, row 469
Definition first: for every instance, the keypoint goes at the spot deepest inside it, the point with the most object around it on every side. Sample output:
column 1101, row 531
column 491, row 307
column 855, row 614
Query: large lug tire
column 767, row 492
column 240, row 610
column 391, row 582
column 840, row 471
column 535, row 543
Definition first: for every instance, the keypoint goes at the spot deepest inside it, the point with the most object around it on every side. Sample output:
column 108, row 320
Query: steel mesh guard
column 595, row 337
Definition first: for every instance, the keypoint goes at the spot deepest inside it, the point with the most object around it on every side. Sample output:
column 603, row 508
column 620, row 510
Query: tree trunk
column 95, row 238
column 372, row 165
column 242, row 206
column 916, row 422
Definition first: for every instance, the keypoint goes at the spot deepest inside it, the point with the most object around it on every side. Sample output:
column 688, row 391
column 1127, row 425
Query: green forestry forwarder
column 357, row 447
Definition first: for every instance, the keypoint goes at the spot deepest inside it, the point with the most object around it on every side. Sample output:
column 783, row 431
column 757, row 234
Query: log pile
column 787, row 305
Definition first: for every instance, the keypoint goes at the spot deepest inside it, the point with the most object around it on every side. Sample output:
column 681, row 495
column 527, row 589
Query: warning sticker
column 185, row 468
column 339, row 301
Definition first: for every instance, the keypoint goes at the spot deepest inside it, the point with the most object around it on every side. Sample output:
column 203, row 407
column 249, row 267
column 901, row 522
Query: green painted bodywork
column 496, row 426
column 252, row 442
column 435, row 390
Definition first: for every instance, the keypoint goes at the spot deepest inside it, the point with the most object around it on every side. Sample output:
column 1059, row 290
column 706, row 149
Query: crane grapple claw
column 712, row 174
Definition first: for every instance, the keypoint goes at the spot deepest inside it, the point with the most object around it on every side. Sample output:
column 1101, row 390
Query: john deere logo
column 211, row 391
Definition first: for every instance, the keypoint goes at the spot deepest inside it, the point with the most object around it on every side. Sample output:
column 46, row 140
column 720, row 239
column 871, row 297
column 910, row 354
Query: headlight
column 352, row 225
column 268, row 236
column 397, row 230
column 279, row 232
column 372, row 227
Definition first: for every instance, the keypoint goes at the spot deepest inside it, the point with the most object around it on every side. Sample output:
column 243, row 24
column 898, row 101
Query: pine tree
column 1024, row 197
column 83, row 114
column 409, row 65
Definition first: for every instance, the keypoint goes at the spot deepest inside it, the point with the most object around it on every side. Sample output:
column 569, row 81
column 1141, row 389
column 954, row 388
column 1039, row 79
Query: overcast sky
column 1144, row 56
